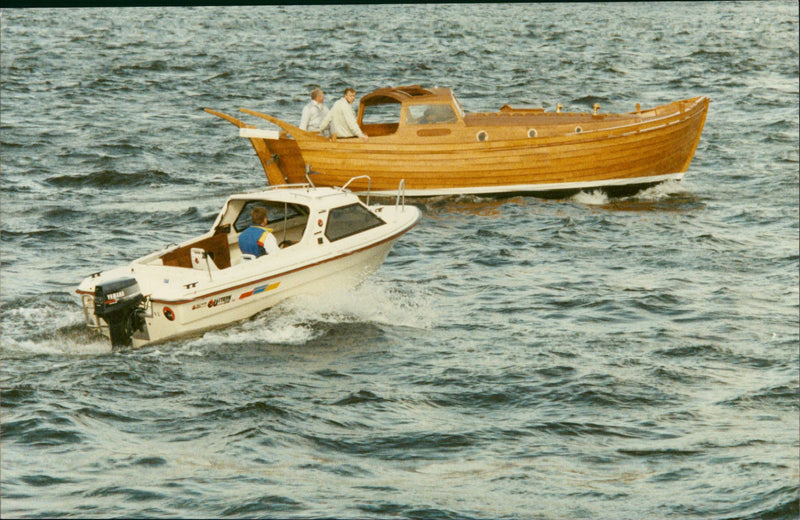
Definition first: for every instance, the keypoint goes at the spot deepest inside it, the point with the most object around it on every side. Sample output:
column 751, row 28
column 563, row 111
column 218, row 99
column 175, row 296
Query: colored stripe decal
column 260, row 289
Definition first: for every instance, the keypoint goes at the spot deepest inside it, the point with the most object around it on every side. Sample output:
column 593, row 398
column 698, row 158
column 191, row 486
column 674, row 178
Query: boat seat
column 216, row 246
column 202, row 260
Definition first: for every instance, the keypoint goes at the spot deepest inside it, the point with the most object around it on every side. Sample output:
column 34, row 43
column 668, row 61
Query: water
column 513, row 358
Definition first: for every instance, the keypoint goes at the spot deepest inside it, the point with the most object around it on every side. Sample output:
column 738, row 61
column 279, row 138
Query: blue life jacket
column 251, row 241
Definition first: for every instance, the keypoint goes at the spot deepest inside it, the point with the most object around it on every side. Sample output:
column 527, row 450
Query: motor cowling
column 117, row 302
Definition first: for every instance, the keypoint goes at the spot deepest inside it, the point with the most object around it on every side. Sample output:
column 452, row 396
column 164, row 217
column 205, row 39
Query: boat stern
column 113, row 305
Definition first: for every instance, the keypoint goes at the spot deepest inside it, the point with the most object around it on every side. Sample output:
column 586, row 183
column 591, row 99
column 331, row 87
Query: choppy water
column 514, row 358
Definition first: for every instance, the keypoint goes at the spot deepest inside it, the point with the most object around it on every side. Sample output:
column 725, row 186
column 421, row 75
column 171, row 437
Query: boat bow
column 296, row 131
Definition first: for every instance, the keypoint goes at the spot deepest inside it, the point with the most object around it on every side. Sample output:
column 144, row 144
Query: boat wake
column 661, row 191
column 269, row 327
column 48, row 327
column 53, row 327
column 369, row 302
column 657, row 193
column 670, row 196
column 305, row 319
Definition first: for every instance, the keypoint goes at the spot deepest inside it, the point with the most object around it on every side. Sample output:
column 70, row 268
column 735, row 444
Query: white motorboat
column 328, row 238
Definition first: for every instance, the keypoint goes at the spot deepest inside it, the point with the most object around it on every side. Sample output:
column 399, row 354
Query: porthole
column 578, row 129
column 482, row 136
column 532, row 132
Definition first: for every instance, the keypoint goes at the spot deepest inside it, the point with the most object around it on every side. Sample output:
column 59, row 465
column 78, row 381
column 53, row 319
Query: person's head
column 317, row 95
column 350, row 94
column 259, row 216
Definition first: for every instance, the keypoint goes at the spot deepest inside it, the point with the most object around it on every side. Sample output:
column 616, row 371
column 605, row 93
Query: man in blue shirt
column 258, row 239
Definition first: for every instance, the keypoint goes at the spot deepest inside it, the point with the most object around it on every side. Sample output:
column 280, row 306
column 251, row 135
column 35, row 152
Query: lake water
column 513, row 358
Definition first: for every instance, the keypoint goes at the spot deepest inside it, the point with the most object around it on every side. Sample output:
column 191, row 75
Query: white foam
column 654, row 193
column 595, row 198
column 370, row 302
column 661, row 191
column 292, row 322
column 50, row 329
column 266, row 328
column 59, row 345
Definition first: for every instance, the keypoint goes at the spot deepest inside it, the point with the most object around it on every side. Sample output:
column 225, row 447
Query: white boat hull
column 229, row 306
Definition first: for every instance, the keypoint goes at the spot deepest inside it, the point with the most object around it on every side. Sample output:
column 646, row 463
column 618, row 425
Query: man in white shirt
column 314, row 112
column 342, row 117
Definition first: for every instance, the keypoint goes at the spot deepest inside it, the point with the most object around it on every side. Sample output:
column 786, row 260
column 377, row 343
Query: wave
column 52, row 431
column 669, row 196
column 713, row 55
column 114, row 179
column 779, row 504
column 344, row 317
column 48, row 324
column 61, row 213
column 43, row 235
column 589, row 101
column 372, row 301
column 781, row 396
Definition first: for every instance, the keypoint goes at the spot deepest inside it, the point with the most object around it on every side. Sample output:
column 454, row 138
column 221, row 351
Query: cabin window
column 482, row 136
column 381, row 114
column 350, row 220
column 276, row 212
column 430, row 114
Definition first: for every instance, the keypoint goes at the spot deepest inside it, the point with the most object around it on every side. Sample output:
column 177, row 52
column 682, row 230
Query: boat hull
column 171, row 318
column 221, row 308
column 160, row 297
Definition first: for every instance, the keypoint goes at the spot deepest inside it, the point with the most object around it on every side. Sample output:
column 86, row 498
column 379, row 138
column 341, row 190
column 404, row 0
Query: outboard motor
column 117, row 302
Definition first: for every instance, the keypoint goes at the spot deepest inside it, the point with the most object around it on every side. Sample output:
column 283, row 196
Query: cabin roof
column 406, row 94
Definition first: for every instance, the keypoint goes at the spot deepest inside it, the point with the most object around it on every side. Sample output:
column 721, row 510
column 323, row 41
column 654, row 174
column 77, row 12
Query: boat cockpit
column 288, row 223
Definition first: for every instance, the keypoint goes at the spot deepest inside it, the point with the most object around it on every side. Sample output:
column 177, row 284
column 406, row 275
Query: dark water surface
column 513, row 358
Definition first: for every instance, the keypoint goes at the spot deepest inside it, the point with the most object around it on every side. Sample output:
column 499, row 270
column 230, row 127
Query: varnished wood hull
column 620, row 154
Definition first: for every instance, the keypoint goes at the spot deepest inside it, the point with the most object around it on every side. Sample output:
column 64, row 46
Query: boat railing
column 288, row 186
column 277, row 187
column 309, row 172
column 401, row 195
column 369, row 184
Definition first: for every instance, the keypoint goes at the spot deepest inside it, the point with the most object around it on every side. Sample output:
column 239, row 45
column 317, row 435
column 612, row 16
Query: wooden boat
column 423, row 136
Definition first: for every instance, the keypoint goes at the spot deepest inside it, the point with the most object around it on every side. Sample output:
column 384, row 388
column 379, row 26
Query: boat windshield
column 349, row 220
column 276, row 213
column 430, row 114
